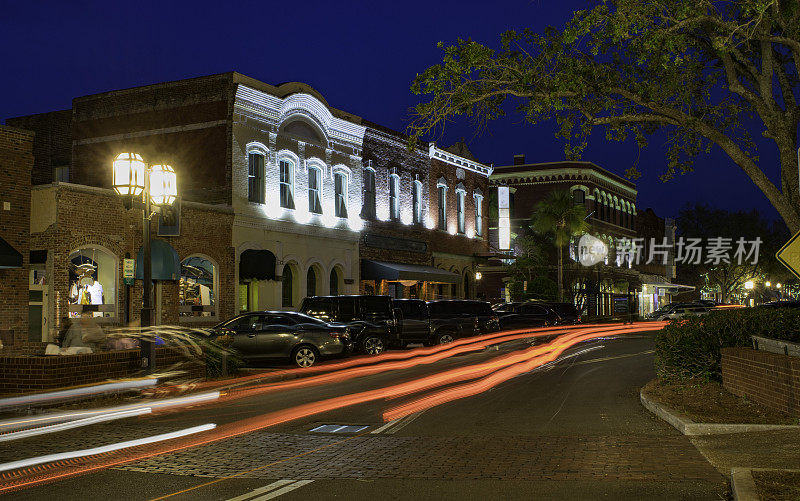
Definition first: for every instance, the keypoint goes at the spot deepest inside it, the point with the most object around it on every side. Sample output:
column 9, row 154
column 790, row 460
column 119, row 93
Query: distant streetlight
column 478, row 275
column 149, row 188
column 778, row 285
column 749, row 285
column 767, row 284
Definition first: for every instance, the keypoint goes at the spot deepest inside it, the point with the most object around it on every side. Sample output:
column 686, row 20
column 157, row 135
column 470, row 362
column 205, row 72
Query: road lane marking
column 403, row 423
column 106, row 448
column 386, row 425
column 262, row 490
column 243, row 472
column 627, row 355
column 284, row 490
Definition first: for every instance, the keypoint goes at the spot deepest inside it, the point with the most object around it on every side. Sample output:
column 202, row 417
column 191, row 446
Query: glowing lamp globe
column 163, row 184
column 749, row 285
column 128, row 174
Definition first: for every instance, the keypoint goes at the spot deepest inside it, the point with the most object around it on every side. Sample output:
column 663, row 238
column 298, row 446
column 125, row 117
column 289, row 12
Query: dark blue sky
column 361, row 55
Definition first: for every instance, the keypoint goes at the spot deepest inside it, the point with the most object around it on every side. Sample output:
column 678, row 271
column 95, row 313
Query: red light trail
column 492, row 373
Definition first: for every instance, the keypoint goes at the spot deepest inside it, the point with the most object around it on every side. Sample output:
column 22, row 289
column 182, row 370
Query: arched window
column 92, row 282
column 255, row 177
column 197, row 288
column 287, row 287
column 334, row 282
column 394, row 197
column 416, row 202
column 287, row 184
column 442, row 192
column 340, row 193
column 460, row 198
column 314, row 190
column 579, row 196
column 478, row 196
column 311, row 282
column 368, row 210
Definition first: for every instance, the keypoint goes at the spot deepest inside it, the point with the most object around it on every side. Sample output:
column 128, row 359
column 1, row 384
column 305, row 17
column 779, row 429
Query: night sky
column 362, row 56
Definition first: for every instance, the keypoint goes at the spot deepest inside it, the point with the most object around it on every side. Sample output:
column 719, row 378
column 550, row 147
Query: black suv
column 417, row 326
column 372, row 319
column 468, row 317
column 523, row 315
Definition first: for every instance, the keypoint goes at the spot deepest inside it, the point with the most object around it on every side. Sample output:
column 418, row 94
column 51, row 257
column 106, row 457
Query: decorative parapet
column 458, row 161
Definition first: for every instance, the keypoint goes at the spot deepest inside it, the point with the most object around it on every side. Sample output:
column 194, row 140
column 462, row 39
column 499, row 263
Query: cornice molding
column 458, row 161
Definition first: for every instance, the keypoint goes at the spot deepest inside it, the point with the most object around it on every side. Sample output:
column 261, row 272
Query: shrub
column 690, row 347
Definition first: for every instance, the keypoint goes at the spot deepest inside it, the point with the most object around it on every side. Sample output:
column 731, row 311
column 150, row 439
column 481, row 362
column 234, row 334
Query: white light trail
column 105, row 448
column 100, row 418
column 56, row 396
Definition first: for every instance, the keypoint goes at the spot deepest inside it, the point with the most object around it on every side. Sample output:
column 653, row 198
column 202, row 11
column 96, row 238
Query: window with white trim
column 314, row 196
column 394, row 201
column 442, row 191
column 255, row 177
column 287, row 184
column 416, row 200
column 460, row 199
column 369, row 194
column 478, row 215
column 340, row 193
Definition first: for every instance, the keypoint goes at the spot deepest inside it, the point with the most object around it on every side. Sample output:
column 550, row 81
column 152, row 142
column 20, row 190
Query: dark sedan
column 524, row 315
column 263, row 335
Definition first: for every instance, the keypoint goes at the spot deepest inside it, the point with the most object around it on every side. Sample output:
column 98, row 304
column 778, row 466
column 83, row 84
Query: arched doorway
column 288, row 286
column 466, row 285
column 311, row 281
column 335, row 277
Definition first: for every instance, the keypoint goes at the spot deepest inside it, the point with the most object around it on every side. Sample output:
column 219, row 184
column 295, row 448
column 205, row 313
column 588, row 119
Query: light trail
column 387, row 356
column 443, row 351
column 538, row 354
column 100, row 418
column 104, row 449
column 56, row 396
column 69, row 416
column 488, row 382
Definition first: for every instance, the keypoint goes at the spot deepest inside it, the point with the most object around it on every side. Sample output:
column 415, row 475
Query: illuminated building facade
column 610, row 203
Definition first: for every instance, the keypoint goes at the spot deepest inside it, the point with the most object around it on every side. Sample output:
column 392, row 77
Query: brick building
column 280, row 196
column 16, row 162
column 610, row 203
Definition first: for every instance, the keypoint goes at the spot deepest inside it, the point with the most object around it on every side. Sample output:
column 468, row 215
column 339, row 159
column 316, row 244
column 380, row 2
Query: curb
column 685, row 425
column 743, row 485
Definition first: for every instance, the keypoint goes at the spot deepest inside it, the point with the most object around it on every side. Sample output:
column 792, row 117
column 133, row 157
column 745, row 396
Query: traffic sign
column 128, row 267
column 789, row 255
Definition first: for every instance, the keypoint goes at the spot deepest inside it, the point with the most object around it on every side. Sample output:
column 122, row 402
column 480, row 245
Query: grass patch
column 708, row 402
column 777, row 485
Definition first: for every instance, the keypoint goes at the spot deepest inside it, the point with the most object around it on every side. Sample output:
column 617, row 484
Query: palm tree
column 559, row 215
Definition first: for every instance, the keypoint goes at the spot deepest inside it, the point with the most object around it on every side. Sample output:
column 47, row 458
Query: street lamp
column 151, row 189
column 749, row 285
column 767, row 284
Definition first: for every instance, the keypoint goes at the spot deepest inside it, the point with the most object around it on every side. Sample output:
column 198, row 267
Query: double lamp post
column 151, row 188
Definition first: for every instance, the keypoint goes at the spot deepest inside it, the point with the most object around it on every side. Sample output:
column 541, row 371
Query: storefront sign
column 504, row 220
column 128, row 266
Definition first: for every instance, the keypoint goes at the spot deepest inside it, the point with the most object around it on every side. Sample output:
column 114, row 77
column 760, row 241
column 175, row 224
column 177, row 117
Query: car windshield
column 301, row 318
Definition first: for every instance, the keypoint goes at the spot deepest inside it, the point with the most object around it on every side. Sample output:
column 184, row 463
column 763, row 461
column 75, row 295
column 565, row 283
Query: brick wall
column 29, row 374
column 16, row 161
column 52, row 146
column 94, row 218
column 771, row 379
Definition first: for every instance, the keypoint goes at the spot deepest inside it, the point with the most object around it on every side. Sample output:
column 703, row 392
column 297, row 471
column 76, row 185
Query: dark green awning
column 166, row 265
column 9, row 257
column 380, row 270
column 257, row 264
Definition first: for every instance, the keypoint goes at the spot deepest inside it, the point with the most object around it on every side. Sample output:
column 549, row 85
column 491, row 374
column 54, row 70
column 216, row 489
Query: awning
column 166, row 265
column 257, row 264
column 9, row 257
column 380, row 270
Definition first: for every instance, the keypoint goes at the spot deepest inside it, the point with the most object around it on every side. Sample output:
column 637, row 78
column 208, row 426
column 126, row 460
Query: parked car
column 465, row 317
column 529, row 314
column 682, row 311
column 372, row 319
column 263, row 335
column 567, row 312
column 781, row 304
column 418, row 326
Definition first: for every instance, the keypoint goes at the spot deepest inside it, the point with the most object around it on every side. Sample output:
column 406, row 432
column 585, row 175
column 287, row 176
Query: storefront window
column 92, row 282
column 196, row 292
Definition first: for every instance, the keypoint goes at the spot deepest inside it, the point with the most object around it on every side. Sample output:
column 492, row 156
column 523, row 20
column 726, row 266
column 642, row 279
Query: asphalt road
column 573, row 431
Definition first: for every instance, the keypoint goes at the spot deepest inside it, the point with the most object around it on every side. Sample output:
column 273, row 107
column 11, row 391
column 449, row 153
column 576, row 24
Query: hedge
column 690, row 348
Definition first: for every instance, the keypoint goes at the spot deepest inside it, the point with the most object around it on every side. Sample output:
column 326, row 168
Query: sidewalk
column 739, row 450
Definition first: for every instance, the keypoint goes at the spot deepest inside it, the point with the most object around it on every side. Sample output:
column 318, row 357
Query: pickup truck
column 440, row 322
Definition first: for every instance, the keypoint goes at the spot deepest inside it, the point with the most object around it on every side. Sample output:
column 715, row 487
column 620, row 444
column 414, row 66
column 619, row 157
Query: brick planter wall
column 770, row 379
column 29, row 374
